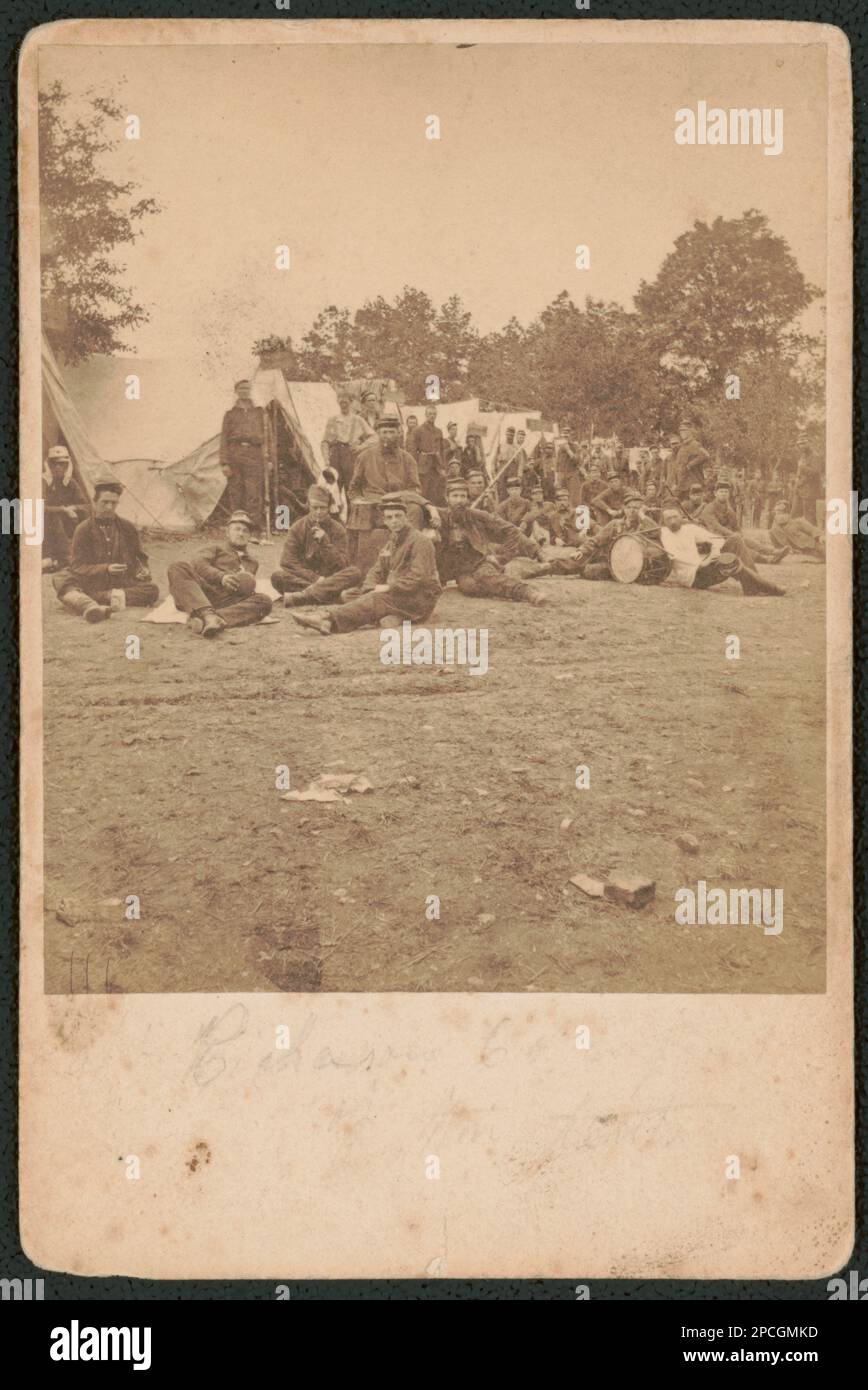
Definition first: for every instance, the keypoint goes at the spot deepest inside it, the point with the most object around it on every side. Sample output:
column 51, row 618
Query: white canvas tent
column 163, row 443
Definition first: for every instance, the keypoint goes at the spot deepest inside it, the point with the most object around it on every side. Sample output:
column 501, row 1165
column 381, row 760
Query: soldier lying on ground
column 692, row 569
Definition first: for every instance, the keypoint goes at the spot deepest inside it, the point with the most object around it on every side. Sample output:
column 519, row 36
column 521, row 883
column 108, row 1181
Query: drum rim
column 647, row 544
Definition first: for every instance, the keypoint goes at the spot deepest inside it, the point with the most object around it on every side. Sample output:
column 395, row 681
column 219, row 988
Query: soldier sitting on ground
column 314, row 562
column 218, row 586
column 474, row 546
column 401, row 584
column 108, row 569
column 65, row 507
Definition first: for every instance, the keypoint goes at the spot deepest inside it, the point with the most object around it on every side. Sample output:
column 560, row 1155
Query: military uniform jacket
column 59, row 496
column 323, row 557
column 213, row 561
column 242, row 426
column 428, row 439
column 514, row 509
column 96, row 545
column 721, row 521
column 690, row 464
column 377, row 472
column 469, row 537
column 408, row 564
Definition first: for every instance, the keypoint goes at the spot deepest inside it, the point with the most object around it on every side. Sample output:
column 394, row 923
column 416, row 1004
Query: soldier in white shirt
column 701, row 568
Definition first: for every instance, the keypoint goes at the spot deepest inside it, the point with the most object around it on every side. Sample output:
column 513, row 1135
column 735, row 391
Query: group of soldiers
column 555, row 510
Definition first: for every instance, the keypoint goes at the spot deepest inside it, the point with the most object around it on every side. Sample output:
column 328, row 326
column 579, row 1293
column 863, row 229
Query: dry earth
column 160, row 782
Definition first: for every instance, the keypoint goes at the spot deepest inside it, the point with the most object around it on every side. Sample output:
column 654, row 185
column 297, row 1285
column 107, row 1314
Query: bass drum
column 637, row 559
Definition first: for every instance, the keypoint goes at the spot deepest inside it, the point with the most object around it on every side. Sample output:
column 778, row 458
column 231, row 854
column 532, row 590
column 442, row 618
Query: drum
column 637, row 559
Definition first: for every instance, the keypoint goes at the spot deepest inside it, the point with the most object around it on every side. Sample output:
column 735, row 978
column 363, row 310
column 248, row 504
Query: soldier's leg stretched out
column 489, row 581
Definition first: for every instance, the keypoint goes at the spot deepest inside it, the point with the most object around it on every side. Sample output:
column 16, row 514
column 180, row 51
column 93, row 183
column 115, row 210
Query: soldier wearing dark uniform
column 243, row 455
column 694, row 502
column 402, row 583
column 218, row 586
column 428, row 448
column 65, row 506
column 540, row 518
column 690, row 461
column 383, row 466
column 719, row 517
column 410, row 434
column 314, row 562
column 516, row 507
column 471, row 454
column 591, row 559
column 453, row 453
column 476, row 485
column 107, row 567
column 469, row 538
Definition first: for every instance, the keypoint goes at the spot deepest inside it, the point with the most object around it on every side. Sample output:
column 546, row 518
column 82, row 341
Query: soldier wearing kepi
column 402, row 583
column 243, row 455
column 384, row 466
column 65, row 506
column 314, row 562
column 218, row 586
column 516, row 507
column 107, row 567
column 476, row 485
column 469, row 538
column 690, row 461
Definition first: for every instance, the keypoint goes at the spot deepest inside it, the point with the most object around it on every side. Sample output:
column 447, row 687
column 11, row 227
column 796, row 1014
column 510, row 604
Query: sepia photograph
column 434, row 555
column 436, row 530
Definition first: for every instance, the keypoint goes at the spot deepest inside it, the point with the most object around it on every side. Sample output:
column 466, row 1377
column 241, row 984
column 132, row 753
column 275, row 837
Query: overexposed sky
column 323, row 148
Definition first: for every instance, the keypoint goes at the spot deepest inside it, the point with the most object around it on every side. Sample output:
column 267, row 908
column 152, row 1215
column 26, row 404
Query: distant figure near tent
column 344, row 434
column 65, row 506
column 244, row 455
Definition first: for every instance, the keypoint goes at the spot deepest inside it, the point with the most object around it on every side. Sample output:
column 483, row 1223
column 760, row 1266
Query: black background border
column 16, row 19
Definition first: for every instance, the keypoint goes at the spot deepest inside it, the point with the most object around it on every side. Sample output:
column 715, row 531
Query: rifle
column 498, row 475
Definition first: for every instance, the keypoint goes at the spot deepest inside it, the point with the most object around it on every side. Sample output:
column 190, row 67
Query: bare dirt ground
column 160, row 782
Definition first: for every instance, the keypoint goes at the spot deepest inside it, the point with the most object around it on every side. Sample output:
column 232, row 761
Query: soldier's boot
column 212, row 623
column 86, row 607
column 753, row 585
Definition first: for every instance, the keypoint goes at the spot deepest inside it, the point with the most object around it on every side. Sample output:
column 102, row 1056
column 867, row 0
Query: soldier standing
column 243, row 455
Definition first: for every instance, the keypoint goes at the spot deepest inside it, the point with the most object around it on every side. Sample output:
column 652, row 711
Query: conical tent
column 155, row 426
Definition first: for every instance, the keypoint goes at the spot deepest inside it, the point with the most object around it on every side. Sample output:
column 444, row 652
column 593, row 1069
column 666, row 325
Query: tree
column 85, row 216
column 501, row 366
column 455, row 339
column 397, row 340
column 779, row 404
column 326, row 352
column 725, row 295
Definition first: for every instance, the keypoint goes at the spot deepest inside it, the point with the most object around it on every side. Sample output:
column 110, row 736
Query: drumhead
column 626, row 559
